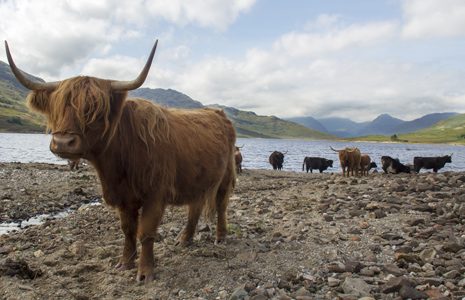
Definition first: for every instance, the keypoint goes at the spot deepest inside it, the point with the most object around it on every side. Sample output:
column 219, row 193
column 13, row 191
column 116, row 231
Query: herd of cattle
column 148, row 157
column 353, row 162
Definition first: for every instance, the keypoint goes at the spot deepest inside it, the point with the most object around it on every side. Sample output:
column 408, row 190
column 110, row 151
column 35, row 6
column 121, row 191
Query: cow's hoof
column 220, row 241
column 145, row 277
column 184, row 243
column 125, row 266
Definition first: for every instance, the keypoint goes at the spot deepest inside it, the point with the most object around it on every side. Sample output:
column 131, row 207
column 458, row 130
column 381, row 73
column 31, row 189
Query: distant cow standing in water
column 238, row 159
column 316, row 163
column 434, row 163
column 349, row 158
column 276, row 160
column 146, row 156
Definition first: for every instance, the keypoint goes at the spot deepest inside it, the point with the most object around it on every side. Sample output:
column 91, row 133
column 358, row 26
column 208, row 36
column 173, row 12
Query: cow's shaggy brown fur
column 238, row 159
column 349, row 158
column 147, row 157
column 365, row 161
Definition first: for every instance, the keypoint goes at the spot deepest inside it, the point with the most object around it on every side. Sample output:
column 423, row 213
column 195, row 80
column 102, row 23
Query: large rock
column 356, row 286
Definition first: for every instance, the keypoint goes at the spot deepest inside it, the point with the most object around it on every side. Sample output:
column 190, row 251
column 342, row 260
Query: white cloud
column 433, row 18
column 323, row 21
column 114, row 67
column 303, row 44
column 297, row 77
column 217, row 14
column 47, row 36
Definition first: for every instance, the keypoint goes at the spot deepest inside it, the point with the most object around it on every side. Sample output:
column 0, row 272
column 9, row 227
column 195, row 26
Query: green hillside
column 451, row 131
column 249, row 124
column 14, row 115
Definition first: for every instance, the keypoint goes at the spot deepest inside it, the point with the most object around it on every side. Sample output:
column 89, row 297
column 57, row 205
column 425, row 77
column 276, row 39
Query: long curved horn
column 30, row 84
column 286, row 152
column 334, row 149
column 134, row 84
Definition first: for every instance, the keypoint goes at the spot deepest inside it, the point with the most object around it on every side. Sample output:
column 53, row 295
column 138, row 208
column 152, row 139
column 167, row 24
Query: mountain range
column 247, row 123
column 384, row 124
column 15, row 116
column 436, row 127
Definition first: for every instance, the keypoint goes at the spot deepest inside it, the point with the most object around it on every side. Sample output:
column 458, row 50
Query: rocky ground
column 291, row 236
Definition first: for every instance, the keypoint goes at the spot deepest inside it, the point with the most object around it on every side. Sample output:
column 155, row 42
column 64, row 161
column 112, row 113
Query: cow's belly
column 197, row 187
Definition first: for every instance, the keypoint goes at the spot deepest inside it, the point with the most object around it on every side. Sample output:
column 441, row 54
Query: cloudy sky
column 320, row 58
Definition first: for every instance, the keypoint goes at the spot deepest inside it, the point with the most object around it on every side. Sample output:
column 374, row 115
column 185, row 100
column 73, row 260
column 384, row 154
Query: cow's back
column 180, row 153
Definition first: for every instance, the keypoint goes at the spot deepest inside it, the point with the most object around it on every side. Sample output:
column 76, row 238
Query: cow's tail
column 334, row 149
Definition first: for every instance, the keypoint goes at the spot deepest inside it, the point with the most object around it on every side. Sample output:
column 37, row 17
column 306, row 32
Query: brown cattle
column 365, row 162
column 146, row 156
column 349, row 158
column 74, row 164
column 238, row 159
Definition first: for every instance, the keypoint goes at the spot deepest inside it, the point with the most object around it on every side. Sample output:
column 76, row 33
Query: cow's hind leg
column 128, row 219
column 222, row 199
column 186, row 236
column 148, row 224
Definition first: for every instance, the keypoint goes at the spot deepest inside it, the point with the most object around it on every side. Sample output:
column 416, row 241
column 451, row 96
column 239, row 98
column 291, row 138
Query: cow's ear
column 39, row 101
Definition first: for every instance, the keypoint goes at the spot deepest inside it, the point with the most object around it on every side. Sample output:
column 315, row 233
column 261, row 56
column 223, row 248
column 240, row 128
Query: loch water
column 17, row 147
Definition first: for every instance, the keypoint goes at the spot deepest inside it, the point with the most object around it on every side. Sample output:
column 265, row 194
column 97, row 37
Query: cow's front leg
column 148, row 224
column 129, row 226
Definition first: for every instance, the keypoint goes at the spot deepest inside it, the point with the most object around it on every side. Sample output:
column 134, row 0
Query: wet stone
column 336, row 267
column 452, row 247
column 395, row 284
column 451, row 274
column 408, row 292
column 239, row 294
column 394, row 270
column 353, row 266
column 356, row 286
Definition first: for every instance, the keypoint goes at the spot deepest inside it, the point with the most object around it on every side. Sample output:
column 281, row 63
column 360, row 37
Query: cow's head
column 329, row 162
column 82, row 112
column 448, row 158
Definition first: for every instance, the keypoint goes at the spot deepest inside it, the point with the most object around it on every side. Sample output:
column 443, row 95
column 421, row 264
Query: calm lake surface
column 35, row 148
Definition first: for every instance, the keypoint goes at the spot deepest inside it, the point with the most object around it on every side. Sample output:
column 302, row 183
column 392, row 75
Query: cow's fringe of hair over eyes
column 90, row 99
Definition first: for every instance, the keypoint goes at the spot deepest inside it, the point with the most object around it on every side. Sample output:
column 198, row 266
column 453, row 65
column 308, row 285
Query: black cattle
column 317, row 163
column 434, row 163
column 391, row 165
column 276, row 159
column 372, row 165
